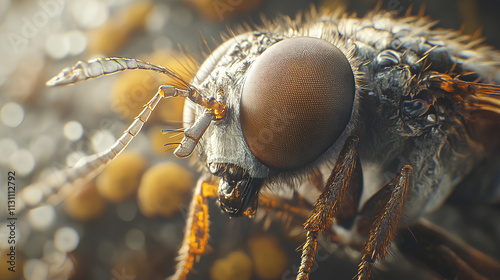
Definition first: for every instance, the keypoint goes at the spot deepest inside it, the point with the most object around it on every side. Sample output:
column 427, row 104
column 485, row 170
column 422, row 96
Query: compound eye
column 296, row 101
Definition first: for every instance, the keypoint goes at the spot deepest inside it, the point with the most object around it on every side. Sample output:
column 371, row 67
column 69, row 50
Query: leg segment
column 444, row 254
column 197, row 226
column 284, row 207
column 197, row 229
column 339, row 199
column 385, row 224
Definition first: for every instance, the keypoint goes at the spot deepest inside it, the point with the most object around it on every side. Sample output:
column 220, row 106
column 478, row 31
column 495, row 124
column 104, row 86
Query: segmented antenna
column 89, row 166
column 84, row 70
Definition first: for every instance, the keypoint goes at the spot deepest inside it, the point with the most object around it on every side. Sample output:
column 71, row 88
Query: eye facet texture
column 296, row 101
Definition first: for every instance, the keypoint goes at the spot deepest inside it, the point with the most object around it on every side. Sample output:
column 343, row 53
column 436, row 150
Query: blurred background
column 128, row 222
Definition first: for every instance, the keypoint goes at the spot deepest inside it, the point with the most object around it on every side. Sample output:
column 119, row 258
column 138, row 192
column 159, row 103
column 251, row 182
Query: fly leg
column 197, row 228
column 388, row 204
column 339, row 200
column 444, row 254
column 196, row 233
column 283, row 207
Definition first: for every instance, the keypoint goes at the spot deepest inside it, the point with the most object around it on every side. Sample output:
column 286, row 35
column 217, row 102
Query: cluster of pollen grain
column 120, row 180
column 113, row 35
column 236, row 265
column 133, row 89
column 164, row 189
column 269, row 259
column 85, row 203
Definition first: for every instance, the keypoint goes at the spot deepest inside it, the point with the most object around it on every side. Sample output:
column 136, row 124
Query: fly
column 393, row 110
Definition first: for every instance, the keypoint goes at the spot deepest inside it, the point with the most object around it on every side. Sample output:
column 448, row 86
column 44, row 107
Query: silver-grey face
column 223, row 141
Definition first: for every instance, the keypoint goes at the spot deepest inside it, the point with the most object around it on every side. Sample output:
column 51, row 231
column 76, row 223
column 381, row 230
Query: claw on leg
column 339, row 198
column 197, row 229
column 385, row 223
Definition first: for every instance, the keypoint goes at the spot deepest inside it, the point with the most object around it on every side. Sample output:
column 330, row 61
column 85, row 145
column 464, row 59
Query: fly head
column 289, row 100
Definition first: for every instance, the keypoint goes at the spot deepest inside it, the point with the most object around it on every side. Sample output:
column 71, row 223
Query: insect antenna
column 88, row 167
column 84, row 70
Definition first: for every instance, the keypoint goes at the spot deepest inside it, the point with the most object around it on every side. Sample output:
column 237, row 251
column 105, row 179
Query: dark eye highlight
column 296, row 101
